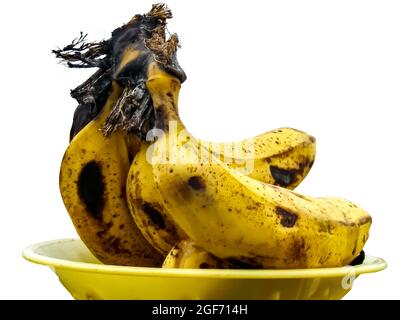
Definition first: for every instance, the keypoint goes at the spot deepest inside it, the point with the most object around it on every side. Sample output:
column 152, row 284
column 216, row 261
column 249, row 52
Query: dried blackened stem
column 91, row 96
column 164, row 51
column 99, row 82
column 155, row 25
column 160, row 11
column 135, row 122
column 82, row 54
column 133, row 112
column 117, row 114
column 130, row 112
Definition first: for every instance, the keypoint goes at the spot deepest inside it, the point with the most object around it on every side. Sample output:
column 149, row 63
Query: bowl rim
column 31, row 254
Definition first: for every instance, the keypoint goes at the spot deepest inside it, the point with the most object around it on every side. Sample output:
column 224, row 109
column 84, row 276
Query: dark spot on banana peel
column 109, row 225
column 131, row 155
column 105, row 227
column 197, row 183
column 172, row 234
column 161, row 118
column 359, row 259
column 123, row 192
column 297, row 252
column 305, row 164
column 288, row 219
column 91, row 188
column 155, row 216
column 115, row 244
column 282, row 177
column 244, row 263
column 286, row 177
column 322, row 260
column 204, row 265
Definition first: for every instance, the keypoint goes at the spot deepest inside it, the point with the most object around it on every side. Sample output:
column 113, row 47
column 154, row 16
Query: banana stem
column 164, row 91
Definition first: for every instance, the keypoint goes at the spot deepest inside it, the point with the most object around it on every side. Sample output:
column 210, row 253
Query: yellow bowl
column 86, row 278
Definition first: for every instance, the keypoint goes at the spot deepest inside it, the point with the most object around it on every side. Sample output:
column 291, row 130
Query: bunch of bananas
column 138, row 195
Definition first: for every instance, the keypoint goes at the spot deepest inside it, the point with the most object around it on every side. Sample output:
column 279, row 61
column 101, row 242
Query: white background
column 331, row 68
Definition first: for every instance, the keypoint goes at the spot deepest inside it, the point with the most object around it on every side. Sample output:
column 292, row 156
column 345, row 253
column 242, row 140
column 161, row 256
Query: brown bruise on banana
column 108, row 245
column 111, row 243
column 161, row 118
column 91, row 188
column 155, row 216
column 287, row 177
column 197, row 183
column 288, row 219
column 283, row 177
column 298, row 251
column 194, row 187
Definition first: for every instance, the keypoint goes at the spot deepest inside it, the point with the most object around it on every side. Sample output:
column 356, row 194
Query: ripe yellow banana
column 147, row 208
column 283, row 157
column 95, row 166
column 242, row 220
column 92, row 184
column 186, row 254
